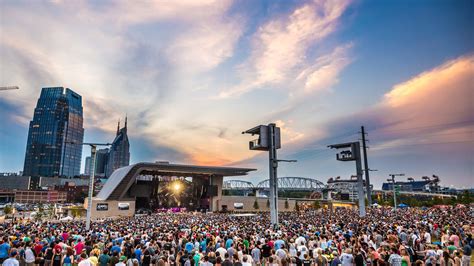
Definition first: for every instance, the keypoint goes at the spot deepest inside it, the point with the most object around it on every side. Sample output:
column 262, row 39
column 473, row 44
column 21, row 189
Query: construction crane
column 5, row 88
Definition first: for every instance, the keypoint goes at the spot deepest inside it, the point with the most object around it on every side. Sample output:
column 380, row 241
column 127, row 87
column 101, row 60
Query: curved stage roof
column 123, row 178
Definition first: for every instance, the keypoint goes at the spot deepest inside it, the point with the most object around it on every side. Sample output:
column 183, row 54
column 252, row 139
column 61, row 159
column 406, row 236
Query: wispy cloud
column 120, row 56
column 281, row 46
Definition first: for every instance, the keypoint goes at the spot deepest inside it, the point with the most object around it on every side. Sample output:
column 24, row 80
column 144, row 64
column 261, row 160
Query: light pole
column 393, row 188
column 366, row 166
column 91, row 179
column 351, row 152
column 269, row 140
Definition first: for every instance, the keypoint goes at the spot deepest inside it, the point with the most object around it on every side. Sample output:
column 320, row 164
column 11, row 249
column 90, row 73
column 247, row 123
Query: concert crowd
column 405, row 237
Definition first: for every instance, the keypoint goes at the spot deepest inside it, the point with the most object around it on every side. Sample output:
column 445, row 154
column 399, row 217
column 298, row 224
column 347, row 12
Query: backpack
column 411, row 253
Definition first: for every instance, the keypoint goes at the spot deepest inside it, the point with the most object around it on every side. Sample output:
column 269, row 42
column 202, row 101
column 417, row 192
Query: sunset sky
column 193, row 74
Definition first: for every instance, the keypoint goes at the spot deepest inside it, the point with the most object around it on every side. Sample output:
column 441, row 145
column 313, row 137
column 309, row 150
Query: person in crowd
column 12, row 259
column 68, row 258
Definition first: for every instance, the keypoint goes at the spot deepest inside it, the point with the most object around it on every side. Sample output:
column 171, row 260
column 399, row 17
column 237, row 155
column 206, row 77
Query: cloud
column 288, row 134
column 422, row 126
column 325, row 71
column 205, row 45
column 120, row 56
column 281, row 46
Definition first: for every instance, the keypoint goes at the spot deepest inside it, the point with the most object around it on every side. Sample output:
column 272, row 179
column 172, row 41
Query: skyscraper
column 55, row 135
column 101, row 160
column 87, row 168
column 119, row 153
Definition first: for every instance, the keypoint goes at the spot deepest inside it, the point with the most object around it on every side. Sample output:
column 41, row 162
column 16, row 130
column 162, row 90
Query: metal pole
column 273, row 176
column 394, row 193
column 211, row 198
column 91, row 188
column 360, row 181
column 366, row 167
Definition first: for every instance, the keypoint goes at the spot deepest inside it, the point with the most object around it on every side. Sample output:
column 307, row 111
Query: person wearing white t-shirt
column 85, row 262
column 427, row 237
column 12, row 261
column 222, row 251
column 245, row 260
column 300, row 241
column 29, row 256
column 303, row 250
column 346, row 258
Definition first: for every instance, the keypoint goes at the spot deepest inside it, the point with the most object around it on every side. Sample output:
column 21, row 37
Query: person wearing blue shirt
column 4, row 249
column 203, row 245
column 116, row 248
column 138, row 254
column 228, row 243
column 189, row 246
column 279, row 243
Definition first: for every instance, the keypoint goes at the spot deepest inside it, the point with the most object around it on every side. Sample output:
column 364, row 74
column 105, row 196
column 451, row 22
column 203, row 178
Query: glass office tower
column 55, row 136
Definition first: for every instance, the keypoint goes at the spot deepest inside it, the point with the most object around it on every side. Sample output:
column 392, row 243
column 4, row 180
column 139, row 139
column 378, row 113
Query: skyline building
column 87, row 166
column 55, row 135
column 119, row 153
column 101, row 160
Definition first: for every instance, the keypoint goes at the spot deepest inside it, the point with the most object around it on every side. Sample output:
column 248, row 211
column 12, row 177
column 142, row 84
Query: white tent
column 66, row 219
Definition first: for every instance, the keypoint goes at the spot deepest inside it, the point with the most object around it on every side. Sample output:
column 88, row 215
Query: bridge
column 284, row 183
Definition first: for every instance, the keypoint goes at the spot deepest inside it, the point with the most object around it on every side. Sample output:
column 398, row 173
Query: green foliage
column 428, row 201
column 8, row 210
column 40, row 214
column 255, row 204
column 76, row 211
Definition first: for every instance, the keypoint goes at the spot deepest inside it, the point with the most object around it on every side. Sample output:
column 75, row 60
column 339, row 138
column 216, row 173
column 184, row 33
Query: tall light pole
column 351, row 152
column 269, row 140
column 366, row 166
column 393, row 188
column 91, row 179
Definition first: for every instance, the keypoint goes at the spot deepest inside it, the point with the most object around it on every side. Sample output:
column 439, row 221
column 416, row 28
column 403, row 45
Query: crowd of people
column 411, row 236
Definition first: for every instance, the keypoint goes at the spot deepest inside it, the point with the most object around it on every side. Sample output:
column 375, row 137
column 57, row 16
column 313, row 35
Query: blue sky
column 191, row 75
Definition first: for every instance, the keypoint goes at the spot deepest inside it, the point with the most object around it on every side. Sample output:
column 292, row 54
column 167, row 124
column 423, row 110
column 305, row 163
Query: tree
column 75, row 211
column 8, row 210
column 255, row 204
column 287, row 205
column 40, row 213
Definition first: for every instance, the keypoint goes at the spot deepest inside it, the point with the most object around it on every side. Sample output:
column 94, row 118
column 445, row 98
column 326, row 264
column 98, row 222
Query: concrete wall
column 249, row 202
column 113, row 210
column 262, row 203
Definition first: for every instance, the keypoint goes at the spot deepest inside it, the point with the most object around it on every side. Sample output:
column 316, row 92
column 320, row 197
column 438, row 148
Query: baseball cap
column 123, row 258
column 13, row 253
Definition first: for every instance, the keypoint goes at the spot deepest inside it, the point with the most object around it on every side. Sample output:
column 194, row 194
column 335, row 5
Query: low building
column 40, row 196
column 74, row 193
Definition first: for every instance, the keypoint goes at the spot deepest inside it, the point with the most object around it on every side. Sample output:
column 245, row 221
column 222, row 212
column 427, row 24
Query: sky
column 191, row 75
